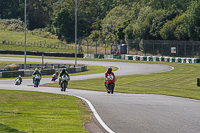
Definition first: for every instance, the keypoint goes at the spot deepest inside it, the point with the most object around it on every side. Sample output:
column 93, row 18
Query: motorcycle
column 37, row 80
column 64, row 82
column 110, row 84
column 17, row 82
column 54, row 77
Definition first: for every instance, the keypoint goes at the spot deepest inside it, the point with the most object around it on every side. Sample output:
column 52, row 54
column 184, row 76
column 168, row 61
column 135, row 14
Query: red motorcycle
column 54, row 77
column 110, row 84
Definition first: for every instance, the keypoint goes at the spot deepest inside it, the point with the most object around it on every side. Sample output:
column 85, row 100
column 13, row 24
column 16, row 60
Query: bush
column 12, row 24
column 12, row 67
column 43, row 33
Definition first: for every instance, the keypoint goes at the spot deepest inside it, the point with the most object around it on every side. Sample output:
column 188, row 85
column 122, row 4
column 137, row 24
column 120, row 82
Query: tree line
column 110, row 19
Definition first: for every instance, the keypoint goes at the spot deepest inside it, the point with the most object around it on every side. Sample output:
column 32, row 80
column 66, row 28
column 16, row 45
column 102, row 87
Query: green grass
column 19, row 37
column 34, row 48
column 7, row 129
column 41, row 112
column 180, row 82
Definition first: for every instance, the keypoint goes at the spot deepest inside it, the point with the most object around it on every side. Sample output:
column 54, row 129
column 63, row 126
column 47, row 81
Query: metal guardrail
column 41, row 53
column 48, row 66
column 70, row 69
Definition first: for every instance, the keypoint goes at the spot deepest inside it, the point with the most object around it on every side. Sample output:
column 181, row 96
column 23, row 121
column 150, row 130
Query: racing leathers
column 61, row 74
column 108, row 74
column 34, row 74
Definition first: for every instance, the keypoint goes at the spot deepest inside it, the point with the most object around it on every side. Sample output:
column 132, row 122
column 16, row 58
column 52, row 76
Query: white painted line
column 96, row 114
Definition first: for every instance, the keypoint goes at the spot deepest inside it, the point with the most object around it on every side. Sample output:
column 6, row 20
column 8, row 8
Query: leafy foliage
column 110, row 19
column 12, row 24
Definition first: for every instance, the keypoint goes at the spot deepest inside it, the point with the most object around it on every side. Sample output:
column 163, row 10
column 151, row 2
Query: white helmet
column 19, row 76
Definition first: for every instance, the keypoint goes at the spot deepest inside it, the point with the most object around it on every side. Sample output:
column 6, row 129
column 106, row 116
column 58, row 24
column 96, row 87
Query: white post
column 76, row 33
column 25, row 37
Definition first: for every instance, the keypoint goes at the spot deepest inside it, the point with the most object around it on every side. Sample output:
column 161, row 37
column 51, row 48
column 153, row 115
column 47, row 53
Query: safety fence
column 69, row 69
column 172, row 48
column 144, row 58
column 48, row 66
column 162, row 58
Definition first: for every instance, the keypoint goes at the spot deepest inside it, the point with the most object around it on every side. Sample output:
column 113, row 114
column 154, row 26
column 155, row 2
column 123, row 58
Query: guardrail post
column 96, row 46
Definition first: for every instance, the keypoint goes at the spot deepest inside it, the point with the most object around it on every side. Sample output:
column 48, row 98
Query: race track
column 128, row 113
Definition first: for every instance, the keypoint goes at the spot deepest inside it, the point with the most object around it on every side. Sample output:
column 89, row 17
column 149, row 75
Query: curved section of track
column 128, row 113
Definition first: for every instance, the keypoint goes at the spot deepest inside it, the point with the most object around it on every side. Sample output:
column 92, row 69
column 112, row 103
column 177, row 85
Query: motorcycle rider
column 36, row 72
column 109, row 72
column 20, row 79
column 62, row 73
column 55, row 75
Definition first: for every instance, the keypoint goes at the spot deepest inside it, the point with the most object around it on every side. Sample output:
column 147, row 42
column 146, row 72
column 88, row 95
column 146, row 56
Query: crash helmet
column 57, row 73
column 36, row 69
column 63, row 70
column 19, row 76
column 109, row 70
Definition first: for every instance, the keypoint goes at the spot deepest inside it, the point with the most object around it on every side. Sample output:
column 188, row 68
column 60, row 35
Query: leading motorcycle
column 64, row 82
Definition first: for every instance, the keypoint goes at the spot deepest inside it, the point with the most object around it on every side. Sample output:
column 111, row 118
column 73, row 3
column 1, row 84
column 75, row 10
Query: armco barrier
column 108, row 57
column 83, row 68
column 89, row 56
column 162, row 59
column 48, row 72
column 197, row 60
column 99, row 56
column 157, row 58
column 28, row 73
column 117, row 56
column 135, row 57
column 123, row 56
column 128, row 57
column 146, row 58
column 183, row 60
column 11, row 74
column 78, row 69
column 48, row 66
column 41, row 53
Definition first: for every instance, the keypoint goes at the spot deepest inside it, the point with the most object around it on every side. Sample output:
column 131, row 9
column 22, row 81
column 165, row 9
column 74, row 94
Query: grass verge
column 35, row 48
column 19, row 37
column 180, row 82
column 41, row 112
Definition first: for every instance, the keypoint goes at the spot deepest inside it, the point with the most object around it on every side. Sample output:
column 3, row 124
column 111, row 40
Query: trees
column 11, row 9
column 113, row 22
column 64, row 24
column 194, row 20
column 39, row 13
column 174, row 30
column 123, row 19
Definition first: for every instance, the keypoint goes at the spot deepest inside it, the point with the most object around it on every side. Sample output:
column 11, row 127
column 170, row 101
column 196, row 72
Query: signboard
column 173, row 50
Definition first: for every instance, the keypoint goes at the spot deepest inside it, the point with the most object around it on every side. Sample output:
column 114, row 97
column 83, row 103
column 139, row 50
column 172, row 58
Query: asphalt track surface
column 127, row 113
